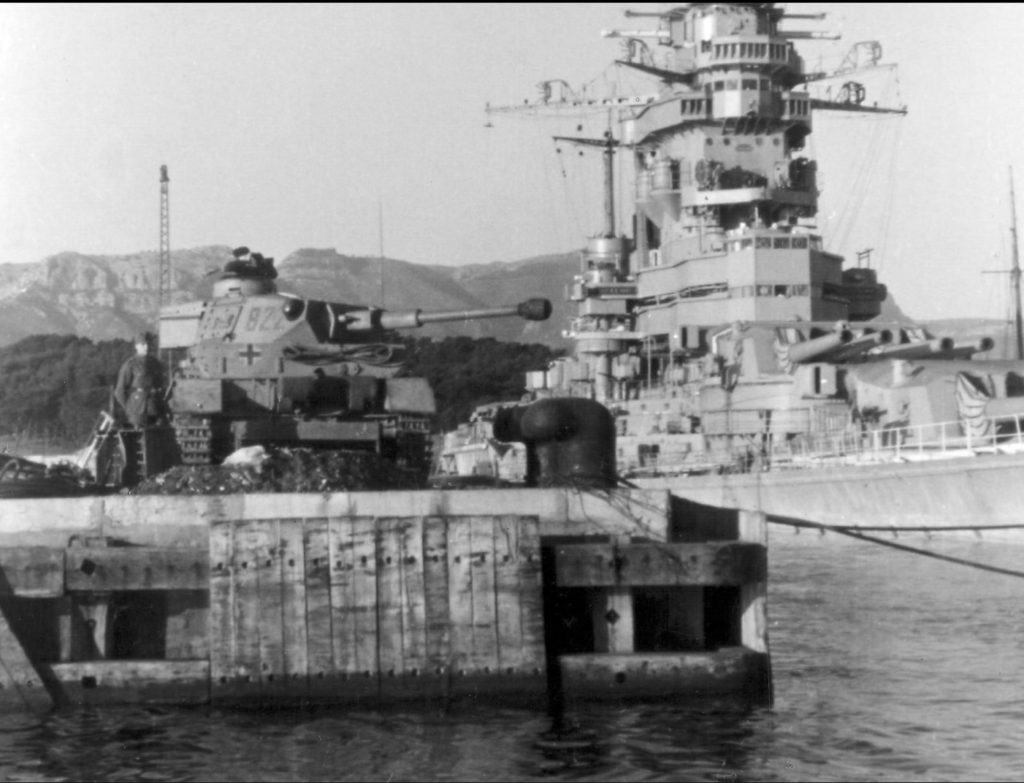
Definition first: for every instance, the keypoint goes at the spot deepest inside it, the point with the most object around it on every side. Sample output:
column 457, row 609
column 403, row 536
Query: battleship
column 746, row 365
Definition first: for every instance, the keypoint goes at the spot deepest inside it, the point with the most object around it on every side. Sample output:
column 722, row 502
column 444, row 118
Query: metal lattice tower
column 165, row 237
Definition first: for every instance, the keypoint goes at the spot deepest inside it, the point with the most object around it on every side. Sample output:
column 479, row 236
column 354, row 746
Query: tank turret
column 255, row 366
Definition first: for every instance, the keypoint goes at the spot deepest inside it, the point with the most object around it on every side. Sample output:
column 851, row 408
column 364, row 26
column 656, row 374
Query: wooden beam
column 20, row 685
column 657, row 564
column 136, row 568
column 319, row 634
column 132, row 682
column 754, row 594
column 390, row 628
column 471, row 596
column 187, row 635
column 732, row 670
column 32, row 572
column 268, row 609
column 354, row 601
column 90, row 626
column 220, row 620
column 245, row 605
column 414, row 617
column 293, row 606
column 518, row 586
column 484, row 628
column 436, row 607
column 612, row 616
column 405, row 671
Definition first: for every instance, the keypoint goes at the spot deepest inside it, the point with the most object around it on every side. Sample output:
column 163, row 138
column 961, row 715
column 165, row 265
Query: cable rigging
column 858, row 533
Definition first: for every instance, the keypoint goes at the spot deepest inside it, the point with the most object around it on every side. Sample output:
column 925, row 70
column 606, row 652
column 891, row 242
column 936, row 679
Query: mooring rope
column 855, row 532
column 624, row 506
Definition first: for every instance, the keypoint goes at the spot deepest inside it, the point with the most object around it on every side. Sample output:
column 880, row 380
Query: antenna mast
column 380, row 246
column 165, row 238
column 1015, row 272
column 608, row 145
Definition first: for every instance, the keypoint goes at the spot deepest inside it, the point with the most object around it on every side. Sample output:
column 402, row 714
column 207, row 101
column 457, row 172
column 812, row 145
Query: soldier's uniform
column 140, row 391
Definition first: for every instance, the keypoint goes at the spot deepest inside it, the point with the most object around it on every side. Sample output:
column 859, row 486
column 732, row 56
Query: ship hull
column 972, row 496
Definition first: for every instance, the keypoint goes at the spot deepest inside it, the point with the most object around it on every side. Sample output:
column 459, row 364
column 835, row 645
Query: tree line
column 53, row 387
column 465, row 372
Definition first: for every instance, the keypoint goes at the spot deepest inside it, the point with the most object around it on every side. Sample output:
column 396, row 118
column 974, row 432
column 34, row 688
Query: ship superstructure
column 721, row 332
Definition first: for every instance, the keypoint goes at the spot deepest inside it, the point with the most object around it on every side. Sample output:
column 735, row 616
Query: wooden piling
column 367, row 597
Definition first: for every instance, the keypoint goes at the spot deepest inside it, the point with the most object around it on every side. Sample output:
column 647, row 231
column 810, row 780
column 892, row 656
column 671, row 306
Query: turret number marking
column 264, row 319
column 220, row 322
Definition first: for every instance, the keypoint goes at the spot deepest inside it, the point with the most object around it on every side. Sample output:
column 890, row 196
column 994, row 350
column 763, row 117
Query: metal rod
column 609, row 185
column 380, row 246
column 1015, row 272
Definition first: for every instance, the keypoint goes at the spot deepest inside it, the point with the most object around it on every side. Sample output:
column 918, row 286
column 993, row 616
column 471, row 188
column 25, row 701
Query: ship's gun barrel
column 967, row 348
column 530, row 310
column 809, row 350
column 920, row 349
column 859, row 345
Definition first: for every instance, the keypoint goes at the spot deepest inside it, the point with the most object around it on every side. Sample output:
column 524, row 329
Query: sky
column 342, row 125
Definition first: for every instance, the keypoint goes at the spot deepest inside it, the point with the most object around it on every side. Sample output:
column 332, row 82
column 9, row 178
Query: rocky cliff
column 104, row 297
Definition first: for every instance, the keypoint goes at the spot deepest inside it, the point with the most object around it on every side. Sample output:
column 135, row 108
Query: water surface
column 887, row 666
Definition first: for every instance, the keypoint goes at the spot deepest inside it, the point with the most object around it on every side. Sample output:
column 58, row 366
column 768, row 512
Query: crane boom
column 165, row 238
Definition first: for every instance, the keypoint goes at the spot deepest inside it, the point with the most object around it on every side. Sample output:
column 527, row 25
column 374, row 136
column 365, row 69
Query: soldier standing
column 140, row 387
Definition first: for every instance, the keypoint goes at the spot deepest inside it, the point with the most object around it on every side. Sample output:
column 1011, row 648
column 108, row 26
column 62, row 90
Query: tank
column 253, row 366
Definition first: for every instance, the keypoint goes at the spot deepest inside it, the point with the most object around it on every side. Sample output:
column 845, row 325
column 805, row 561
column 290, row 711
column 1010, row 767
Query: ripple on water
column 887, row 666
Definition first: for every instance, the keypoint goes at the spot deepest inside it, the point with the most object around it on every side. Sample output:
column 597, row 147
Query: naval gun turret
column 254, row 366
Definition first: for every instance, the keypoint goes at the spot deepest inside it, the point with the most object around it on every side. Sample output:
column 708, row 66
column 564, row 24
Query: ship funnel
column 606, row 259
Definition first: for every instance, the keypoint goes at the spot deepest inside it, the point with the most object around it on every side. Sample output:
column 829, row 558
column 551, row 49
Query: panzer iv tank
column 253, row 366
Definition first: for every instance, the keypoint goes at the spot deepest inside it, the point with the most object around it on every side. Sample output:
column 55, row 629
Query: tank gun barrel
column 530, row 310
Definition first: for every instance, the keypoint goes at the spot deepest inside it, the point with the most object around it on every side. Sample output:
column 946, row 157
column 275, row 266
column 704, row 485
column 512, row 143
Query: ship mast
column 609, row 186
column 608, row 144
column 1015, row 272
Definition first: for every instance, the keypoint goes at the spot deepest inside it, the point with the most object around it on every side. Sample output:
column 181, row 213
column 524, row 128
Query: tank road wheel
column 195, row 440
column 413, row 451
column 203, row 440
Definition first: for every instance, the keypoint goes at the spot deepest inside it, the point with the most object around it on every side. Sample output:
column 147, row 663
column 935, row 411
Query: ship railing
column 936, row 440
column 906, row 443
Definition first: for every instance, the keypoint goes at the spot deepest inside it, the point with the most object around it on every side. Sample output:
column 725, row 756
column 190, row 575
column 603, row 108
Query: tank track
column 205, row 441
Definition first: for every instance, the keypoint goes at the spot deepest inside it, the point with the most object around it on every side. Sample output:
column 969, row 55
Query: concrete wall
column 184, row 520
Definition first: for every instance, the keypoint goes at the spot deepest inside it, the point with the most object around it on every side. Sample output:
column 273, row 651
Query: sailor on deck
column 626, row 372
